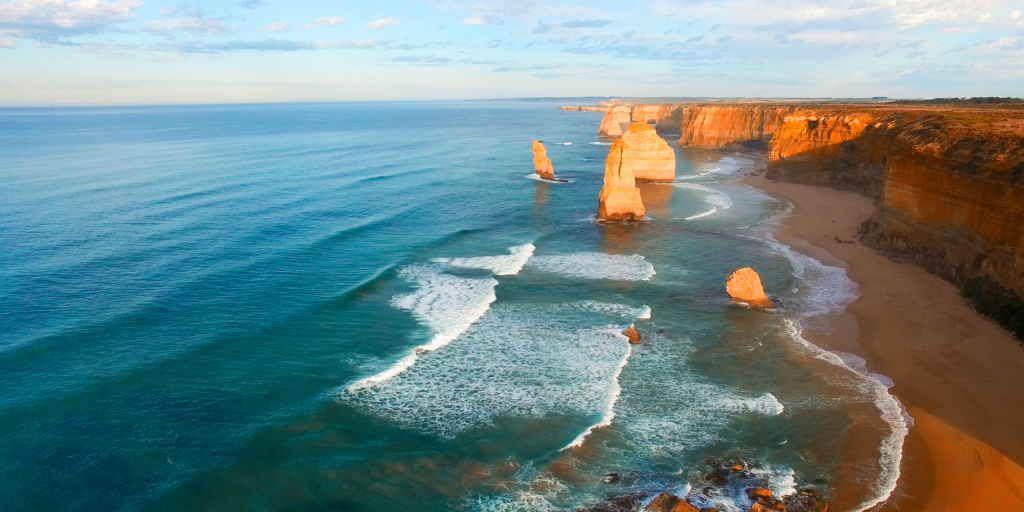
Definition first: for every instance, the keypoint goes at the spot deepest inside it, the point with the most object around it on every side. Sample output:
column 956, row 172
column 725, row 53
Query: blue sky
column 112, row 52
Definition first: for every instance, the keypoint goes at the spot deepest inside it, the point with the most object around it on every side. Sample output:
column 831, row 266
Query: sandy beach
column 958, row 374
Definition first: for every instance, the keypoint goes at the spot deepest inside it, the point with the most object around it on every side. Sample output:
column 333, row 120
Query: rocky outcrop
column 666, row 502
column 620, row 199
column 633, row 335
column 744, row 285
column 614, row 118
column 541, row 162
column 650, row 157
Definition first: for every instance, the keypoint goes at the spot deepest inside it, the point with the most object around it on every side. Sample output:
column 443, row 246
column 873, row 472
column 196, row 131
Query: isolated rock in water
column 744, row 285
column 614, row 118
column 620, row 199
column 757, row 492
column 651, row 158
column 541, row 162
column 666, row 502
column 633, row 335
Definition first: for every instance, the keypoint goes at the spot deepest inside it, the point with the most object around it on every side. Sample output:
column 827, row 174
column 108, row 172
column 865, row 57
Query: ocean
column 374, row 306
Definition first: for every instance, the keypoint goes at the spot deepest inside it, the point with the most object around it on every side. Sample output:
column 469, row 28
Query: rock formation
column 949, row 178
column 710, row 126
column 614, row 118
column 666, row 502
column 633, row 335
column 744, row 285
column 650, row 157
column 541, row 162
column 620, row 199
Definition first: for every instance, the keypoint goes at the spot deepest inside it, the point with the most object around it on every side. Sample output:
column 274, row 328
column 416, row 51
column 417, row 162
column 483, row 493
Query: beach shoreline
column 957, row 373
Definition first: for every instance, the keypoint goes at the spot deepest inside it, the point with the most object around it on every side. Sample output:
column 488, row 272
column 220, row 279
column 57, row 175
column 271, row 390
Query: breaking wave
column 595, row 265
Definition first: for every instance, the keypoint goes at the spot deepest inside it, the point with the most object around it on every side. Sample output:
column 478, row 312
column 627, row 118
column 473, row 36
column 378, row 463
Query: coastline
column 957, row 373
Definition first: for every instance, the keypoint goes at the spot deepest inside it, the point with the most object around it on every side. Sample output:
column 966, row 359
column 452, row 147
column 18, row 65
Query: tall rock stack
column 650, row 157
column 541, row 162
column 620, row 199
column 614, row 118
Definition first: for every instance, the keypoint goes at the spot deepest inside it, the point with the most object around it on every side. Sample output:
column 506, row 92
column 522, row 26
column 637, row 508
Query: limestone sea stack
column 744, row 285
column 541, row 162
column 650, row 157
column 614, row 118
column 633, row 335
column 620, row 199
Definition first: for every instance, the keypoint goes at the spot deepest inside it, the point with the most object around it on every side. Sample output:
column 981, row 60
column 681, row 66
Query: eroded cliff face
column 620, row 199
column 650, row 157
column 950, row 187
column 712, row 126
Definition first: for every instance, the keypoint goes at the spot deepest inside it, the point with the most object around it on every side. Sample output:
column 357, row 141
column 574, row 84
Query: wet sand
column 959, row 374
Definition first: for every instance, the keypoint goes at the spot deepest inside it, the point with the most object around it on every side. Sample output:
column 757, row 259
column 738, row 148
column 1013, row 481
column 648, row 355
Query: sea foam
column 517, row 361
column 595, row 265
column 891, row 409
column 509, row 265
column 447, row 304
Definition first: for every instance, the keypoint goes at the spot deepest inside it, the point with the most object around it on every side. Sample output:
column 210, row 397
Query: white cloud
column 195, row 26
column 383, row 22
column 8, row 44
column 1015, row 15
column 274, row 27
column 475, row 20
column 329, row 21
column 49, row 19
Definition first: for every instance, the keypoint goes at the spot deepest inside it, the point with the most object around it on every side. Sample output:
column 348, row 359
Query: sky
column 130, row 52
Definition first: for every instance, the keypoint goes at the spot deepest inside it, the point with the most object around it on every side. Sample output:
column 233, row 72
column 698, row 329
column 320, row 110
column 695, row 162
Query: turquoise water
column 219, row 308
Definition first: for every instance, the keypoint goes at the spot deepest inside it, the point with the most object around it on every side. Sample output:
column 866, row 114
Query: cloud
column 182, row 10
column 8, row 44
column 383, row 22
column 195, row 26
column 274, row 27
column 477, row 20
column 586, row 23
column 251, row 4
column 328, row 21
column 51, row 19
column 266, row 45
column 431, row 60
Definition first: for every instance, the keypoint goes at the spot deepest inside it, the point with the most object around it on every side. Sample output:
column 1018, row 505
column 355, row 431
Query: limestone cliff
column 650, row 157
column 950, row 186
column 714, row 126
column 541, row 162
column 620, row 199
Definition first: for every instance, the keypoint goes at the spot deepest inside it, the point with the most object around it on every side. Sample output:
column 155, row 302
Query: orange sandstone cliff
column 650, row 157
column 620, row 199
column 950, row 186
column 541, row 162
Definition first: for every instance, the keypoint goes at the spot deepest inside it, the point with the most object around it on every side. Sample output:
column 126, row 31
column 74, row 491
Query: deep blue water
column 203, row 309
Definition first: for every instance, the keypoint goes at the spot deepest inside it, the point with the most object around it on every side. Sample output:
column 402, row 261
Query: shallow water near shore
column 370, row 307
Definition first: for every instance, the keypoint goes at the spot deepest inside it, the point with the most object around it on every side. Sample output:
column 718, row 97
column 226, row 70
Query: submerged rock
column 807, row 500
column 623, row 503
column 650, row 157
column 541, row 162
column 666, row 502
column 633, row 335
column 620, row 199
column 744, row 285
